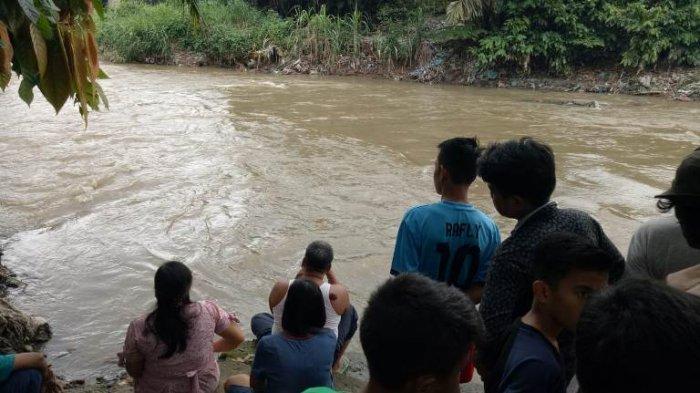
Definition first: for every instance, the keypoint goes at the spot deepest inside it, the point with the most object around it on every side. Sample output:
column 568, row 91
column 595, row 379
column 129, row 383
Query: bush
column 655, row 31
column 556, row 34
column 135, row 31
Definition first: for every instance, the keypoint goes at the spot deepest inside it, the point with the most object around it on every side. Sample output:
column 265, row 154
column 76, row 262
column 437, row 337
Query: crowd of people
column 557, row 302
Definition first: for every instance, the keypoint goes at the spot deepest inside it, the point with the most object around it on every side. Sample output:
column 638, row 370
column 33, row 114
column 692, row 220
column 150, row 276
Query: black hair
column 559, row 253
column 458, row 156
column 318, row 256
column 304, row 310
column 172, row 285
column 415, row 326
column 522, row 167
column 665, row 204
column 641, row 336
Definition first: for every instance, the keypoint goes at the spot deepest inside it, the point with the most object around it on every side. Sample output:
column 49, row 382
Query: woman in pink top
column 172, row 348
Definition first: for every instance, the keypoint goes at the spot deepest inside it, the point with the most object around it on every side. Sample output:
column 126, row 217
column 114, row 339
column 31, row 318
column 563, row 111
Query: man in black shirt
column 567, row 270
column 521, row 177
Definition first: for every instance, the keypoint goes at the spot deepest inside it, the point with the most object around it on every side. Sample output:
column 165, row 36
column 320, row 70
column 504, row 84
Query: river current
column 234, row 174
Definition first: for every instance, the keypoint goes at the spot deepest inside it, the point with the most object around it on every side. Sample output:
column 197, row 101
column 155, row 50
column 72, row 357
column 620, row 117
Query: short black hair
column 319, row 255
column 415, row 326
column 641, row 336
column 560, row 252
column 304, row 310
column 458, row 156
column 523, row 167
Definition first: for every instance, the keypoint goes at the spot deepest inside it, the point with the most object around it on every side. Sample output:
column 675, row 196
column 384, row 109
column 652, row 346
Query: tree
column 50, row 44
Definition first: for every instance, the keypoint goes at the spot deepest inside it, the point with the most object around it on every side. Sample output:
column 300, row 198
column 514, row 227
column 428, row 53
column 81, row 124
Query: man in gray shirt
column 670, row 244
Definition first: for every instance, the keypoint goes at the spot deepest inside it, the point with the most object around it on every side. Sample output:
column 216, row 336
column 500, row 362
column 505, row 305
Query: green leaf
column 102, row 94
column 50, row 10
column 55, row 85
column 45, row 26
column 102, row 75
column 39, row 48
column 29, row 9
column 26, row 90
column 99, row 8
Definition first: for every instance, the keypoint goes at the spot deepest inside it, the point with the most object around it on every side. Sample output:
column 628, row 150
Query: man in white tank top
column 341, row 317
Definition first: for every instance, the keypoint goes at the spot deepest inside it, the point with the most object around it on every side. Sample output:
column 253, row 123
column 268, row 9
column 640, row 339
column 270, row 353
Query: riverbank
column 238, row 361
column 413, row 44
column 21, row 332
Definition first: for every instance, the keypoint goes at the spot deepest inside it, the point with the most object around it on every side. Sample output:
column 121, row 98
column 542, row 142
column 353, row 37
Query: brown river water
column 234, row 174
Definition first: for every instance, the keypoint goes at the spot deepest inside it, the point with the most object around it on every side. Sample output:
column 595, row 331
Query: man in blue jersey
column 449, row 241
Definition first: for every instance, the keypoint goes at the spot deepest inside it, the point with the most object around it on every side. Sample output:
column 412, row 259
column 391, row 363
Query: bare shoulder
column 279, row 290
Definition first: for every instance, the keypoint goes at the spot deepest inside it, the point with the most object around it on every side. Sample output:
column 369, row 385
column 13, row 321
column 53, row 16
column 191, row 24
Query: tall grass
column 135, row 31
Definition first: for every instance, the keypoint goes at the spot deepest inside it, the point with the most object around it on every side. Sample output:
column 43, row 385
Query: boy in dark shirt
column 567, row 270
column 521, row 177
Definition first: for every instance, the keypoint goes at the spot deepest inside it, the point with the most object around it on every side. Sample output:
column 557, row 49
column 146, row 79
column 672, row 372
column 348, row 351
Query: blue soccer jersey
column 446, row 241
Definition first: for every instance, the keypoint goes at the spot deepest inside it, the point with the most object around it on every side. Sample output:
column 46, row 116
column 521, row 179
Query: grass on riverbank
column 234, row 30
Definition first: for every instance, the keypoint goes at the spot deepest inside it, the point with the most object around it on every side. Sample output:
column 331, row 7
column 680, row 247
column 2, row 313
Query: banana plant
column 50, row 45
column 462, row 11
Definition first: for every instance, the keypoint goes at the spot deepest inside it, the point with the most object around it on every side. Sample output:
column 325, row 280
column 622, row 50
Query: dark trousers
column 261, row 325
column 22, row 381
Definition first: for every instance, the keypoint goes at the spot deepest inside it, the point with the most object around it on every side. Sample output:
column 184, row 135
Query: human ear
column 540, row 291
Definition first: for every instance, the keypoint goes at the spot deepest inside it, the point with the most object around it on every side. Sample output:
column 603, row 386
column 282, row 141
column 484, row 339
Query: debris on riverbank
column 680, row 84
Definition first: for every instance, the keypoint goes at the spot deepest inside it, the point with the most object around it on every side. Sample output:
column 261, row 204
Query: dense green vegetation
column 234, row 30
column 549, row 35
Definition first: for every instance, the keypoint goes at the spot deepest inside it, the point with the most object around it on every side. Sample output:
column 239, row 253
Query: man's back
column 658, row 249
column 508, row 291
column 446, row 241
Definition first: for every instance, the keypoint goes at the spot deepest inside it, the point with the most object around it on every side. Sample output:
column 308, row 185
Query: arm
column 231, row 338
column 26, row 360
column 279, row 290
column 332, row 279
column 133, row 360
column 505, row 290
column 340, row 299
column 406, row 252
column 637, row 258
column 686, row 280
column 261, row 362
column 476, row 289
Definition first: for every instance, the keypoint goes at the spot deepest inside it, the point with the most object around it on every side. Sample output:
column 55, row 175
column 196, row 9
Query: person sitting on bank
column 170, row 349
column 22, row 372
column 567, row 270
column 521, row 177
column 298, row 357
column 671, row 244
column 450, row 241
column 341, row 317
column 640, row 336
